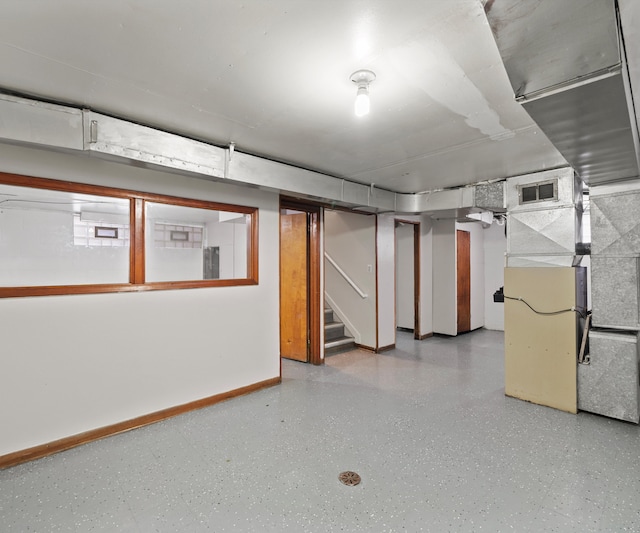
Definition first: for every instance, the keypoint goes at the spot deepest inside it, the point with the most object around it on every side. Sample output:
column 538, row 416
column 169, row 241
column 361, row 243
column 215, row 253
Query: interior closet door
column 463, row 273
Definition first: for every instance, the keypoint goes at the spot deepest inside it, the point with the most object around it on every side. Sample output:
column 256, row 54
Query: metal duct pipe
column 64, row 128
column 567, row 67
column 31, row 122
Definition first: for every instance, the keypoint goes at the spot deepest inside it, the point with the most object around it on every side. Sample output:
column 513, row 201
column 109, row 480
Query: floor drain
column 349, row 478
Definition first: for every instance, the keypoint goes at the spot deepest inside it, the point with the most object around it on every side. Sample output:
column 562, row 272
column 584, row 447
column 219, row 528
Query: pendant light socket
column 362, row 78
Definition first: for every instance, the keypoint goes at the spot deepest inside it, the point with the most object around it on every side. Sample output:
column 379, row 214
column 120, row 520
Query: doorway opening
column 300, row 281
column 407, row 299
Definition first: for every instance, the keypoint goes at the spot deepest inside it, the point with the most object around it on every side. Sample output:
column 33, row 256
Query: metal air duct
column 567, row 66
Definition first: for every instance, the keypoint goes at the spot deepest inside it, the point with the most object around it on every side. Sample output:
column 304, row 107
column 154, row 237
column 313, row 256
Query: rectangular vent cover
column 538, row 192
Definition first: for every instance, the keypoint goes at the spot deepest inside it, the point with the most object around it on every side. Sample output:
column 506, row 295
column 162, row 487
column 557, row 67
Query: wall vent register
column 538, row 192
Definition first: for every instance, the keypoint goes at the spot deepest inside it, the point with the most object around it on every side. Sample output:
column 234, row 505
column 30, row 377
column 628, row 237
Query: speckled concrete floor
column 427, row 426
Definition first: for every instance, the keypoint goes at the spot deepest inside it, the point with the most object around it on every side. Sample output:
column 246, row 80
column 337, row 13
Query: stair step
column 335, row 339
column 342, row 344
column 333, row 330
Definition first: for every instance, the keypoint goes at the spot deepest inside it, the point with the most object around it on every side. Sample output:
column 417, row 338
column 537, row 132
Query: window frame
column 537, row 186
column 137, row 221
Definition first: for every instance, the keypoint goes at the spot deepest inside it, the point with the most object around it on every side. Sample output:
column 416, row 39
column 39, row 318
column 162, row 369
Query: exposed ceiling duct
column 567, row 65
column 67, row 129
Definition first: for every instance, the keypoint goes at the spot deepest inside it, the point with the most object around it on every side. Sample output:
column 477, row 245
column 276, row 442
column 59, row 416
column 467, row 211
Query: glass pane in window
column 529, row 194
column 546, row 191
column 52, row 238
column 188, row 243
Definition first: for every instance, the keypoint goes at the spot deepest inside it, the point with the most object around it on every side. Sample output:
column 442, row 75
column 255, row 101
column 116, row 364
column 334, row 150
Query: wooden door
column 294, row 286
column 464, row 280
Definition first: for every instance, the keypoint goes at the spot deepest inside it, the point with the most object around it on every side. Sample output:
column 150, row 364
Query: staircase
column 336, row 340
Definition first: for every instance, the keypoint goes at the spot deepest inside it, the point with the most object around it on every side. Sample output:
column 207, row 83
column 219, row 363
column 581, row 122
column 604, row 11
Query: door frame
column 314, row 354
column 416, row 273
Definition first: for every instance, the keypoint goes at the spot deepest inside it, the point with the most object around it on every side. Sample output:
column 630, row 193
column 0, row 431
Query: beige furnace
column 542, row 325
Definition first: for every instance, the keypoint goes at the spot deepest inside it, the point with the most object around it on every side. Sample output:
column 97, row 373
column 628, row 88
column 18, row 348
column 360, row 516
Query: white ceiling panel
column 273, row 77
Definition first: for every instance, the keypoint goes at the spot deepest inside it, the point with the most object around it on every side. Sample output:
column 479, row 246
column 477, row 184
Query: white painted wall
column 76, row 363
column 405, row 293
column 37, row 248
column 426, row 275
column 231, row 237
column 477, row 258
column 495, row 246
column 444, row 277
column 386, row 281
column 350, row 240
column 171, row 264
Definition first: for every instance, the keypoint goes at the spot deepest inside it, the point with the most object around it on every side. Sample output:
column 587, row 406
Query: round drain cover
column 349, row 478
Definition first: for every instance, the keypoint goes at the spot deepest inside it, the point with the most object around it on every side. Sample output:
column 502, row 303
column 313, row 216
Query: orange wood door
column 294, row 282
column 464, row 280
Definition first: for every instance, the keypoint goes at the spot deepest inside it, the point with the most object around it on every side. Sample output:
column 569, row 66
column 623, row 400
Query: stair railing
column 346, row 276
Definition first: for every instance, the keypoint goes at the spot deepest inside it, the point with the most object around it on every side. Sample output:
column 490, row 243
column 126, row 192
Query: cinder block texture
column 615, row 225
column 614, row 292
column 609, row 384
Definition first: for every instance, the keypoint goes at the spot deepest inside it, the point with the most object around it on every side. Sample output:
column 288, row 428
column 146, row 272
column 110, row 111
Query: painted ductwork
column 61, row 128
column 544, row 218
column 566, row 63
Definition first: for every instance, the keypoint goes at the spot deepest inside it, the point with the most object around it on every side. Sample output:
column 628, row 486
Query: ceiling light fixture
column 362, row 78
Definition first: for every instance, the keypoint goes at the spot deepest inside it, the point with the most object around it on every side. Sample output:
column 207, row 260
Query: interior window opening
column 66, row 238
column 48, row 237
column 191, row 243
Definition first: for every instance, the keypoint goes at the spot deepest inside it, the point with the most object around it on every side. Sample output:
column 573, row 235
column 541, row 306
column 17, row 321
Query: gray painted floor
column 427, row 426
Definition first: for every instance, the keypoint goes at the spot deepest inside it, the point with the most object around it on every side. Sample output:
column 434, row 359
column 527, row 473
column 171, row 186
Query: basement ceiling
column 273, row 78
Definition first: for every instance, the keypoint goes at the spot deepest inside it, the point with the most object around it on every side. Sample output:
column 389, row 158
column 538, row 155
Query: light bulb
column 362, row 78
column 362, row 102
